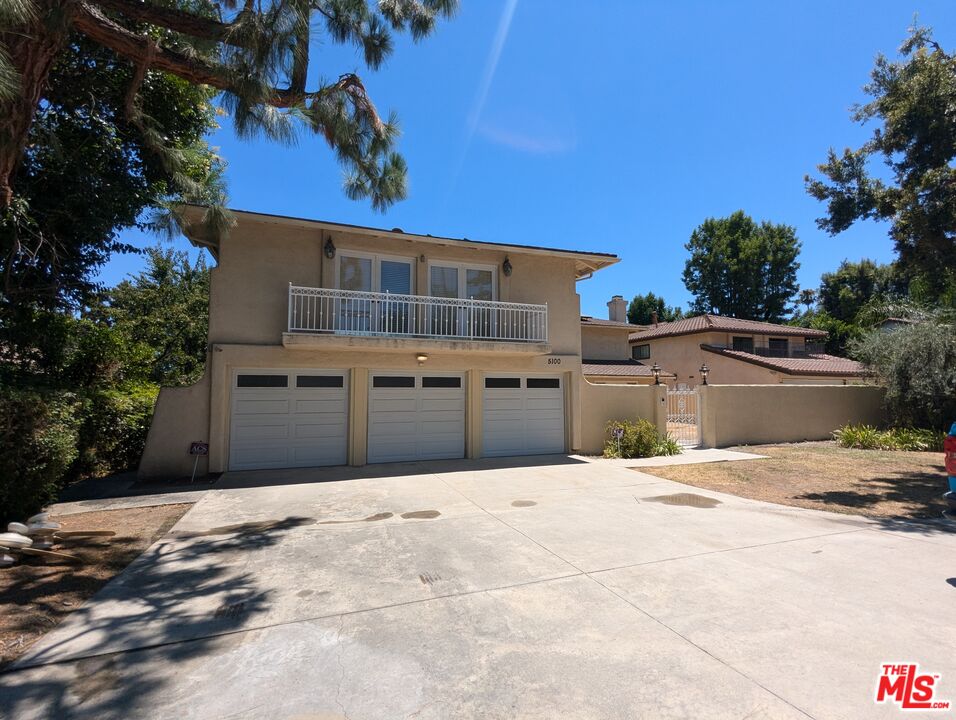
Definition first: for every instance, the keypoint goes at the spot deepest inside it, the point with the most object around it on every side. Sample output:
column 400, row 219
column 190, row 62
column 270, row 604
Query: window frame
column 376, row 259
column 462, row 268
column 636, row 356
column 748, row 338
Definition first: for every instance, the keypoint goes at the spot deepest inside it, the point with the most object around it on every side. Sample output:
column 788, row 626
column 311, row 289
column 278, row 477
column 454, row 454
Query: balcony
column 317, row 315
column 779, row 352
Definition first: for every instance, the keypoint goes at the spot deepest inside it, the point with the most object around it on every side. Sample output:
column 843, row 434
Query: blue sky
column 616, row 126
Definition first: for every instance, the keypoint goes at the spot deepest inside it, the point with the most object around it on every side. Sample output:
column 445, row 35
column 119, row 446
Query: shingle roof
column 588, row 320
column 719, row 323
column 813, row 364
column 618, row 368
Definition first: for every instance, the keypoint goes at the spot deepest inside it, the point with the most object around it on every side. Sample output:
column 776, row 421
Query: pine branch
column 174, row 19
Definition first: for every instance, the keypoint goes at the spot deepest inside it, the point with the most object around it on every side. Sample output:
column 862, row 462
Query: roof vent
column 397, row 230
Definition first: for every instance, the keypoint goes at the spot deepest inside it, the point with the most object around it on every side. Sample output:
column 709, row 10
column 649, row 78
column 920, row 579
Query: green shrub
column 638, row 439
column 38, row 434
column 867, row 437
column 113, row 430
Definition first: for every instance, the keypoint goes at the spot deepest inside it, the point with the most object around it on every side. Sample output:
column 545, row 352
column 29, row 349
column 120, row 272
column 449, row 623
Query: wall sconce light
column 329, row 248
column 656, row 369
column 506, row 267
column 703, row 373
column 421, row 359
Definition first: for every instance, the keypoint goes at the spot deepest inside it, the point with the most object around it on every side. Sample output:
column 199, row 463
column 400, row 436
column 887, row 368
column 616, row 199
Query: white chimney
column 617, row 309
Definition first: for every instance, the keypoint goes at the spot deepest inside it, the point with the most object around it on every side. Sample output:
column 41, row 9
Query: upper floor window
column 375, row 273
column 745, row 344
column 641, row 352
column 461, row 281
column 778, row 346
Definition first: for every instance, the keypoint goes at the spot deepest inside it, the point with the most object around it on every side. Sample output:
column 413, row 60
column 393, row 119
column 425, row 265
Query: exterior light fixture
column 506, row 267
column 329, row 248
column 421, row 359
column 703, row 373
column 656, row 369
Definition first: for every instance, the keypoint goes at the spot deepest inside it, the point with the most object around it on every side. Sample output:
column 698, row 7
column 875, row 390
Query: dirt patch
column 824, row 476
column 36, row 596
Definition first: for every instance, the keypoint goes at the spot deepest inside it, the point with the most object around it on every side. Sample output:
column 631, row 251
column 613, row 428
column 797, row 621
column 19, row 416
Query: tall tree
column 640, row 308
column 742, row 269
column 844, row 292
column 256, row 56
column 87, row 174
column 912, row 106
column 166, row 309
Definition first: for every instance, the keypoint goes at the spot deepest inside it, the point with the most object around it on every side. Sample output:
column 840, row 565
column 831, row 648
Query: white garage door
column 523, row 415
column 288, row 418
column 415, row 417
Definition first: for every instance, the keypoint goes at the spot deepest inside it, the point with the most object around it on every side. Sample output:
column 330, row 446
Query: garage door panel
column 418, row 421
column 287, row 425
column 260, row 406
column 523, row 420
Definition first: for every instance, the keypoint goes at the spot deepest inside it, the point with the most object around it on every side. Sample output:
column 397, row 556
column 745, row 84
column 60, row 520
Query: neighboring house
column 337, row 344
column 606, row 352
column 742, row 352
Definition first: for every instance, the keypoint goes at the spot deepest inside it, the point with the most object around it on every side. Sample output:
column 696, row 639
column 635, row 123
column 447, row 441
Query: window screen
column 396, row 277
column 319, row 381
column 393, row 381
column 509, row 382
column 263, row 381
column 641, row 352
column 544, row 383
column 779, row 344
column 439, row 381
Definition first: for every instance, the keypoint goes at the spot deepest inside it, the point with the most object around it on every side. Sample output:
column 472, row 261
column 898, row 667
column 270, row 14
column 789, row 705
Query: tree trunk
column 32, row 49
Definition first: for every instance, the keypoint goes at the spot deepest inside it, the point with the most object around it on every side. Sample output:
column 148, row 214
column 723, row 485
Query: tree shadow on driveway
column 101, row 661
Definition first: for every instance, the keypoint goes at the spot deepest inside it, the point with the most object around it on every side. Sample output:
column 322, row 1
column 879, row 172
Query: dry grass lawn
column 824, row 476
column 36, row 595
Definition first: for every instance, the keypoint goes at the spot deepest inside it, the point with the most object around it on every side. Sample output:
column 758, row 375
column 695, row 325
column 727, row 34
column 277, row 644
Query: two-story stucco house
column 336, row 344
column 742, row 352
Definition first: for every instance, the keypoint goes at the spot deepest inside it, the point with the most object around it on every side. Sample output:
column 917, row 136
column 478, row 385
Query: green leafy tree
column 847, row 290
column 916, row 364
column 87, row 174
column 165, row 308
column 640, row 308
column 742, row 269
column 912, row 106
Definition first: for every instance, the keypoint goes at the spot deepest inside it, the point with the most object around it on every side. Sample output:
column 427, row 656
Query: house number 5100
column 554, row 361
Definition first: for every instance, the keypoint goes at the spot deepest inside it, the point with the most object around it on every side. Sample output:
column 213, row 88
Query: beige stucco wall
column 258, row 260
column 752, row 414
column 604, row 343
column 600, row 403
column 181, row 416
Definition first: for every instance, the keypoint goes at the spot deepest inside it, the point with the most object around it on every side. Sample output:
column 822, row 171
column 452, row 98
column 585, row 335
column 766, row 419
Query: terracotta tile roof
column 719, row 323
column 588, row 320
column 813, row 364
column 619, row 368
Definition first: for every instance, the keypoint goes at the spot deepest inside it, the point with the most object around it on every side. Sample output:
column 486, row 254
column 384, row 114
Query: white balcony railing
column 351, row 312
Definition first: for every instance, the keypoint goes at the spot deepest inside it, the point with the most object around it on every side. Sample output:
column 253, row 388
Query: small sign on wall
column 198, row 448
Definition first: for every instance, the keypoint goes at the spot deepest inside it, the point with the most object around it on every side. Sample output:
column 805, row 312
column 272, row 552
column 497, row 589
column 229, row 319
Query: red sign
column 904, row 685
column 199, row 448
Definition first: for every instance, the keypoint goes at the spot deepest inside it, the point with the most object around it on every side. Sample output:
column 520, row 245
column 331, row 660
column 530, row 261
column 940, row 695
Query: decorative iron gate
column 683, row 418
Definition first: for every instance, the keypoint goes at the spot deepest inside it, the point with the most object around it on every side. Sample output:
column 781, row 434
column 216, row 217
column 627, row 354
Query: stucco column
column 218, row 409
column 660, row 408
column 473, row 413
column 358, row 416
column 572, row 403
column 705, row 416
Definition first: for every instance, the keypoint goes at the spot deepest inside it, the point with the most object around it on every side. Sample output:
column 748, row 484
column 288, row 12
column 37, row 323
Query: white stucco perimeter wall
column 600, row 403
column 753, row 414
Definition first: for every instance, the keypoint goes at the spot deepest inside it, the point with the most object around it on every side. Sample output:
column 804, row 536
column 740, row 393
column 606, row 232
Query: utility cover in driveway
column 415, row 417
column 288, row 418
column 523, row 415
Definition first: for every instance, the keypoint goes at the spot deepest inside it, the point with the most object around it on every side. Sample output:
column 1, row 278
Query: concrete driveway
column 547, row 587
